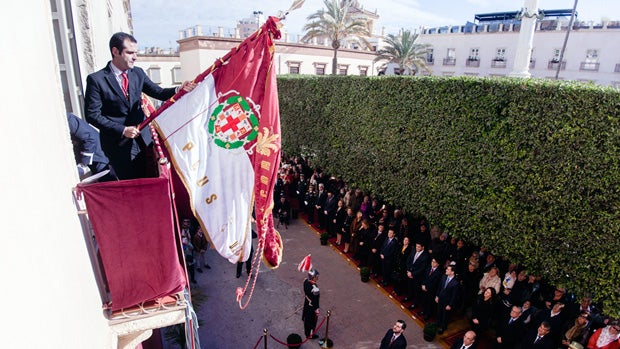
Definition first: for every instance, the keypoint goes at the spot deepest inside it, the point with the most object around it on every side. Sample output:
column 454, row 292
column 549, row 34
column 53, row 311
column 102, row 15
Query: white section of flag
column 220, row 181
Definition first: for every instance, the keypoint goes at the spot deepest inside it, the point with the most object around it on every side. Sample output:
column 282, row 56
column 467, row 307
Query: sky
column 158, row 22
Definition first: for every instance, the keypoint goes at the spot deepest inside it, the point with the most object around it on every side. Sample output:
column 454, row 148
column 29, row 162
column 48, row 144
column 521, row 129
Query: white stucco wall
column 49, row 292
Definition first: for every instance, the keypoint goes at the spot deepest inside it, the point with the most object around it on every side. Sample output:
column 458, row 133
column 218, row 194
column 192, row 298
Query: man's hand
column 188, row 86
column 131, row 132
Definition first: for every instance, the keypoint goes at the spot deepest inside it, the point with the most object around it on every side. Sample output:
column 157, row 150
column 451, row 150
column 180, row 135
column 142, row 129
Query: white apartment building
column 487, row 48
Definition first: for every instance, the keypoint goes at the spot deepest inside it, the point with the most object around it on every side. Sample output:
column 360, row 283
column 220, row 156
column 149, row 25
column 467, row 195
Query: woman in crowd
column 400, row 266
column 490, row 279
column 483, row 310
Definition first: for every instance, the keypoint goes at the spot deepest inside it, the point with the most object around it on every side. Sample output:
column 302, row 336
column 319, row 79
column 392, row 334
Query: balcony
column 472, row 62
column 553, row 64
column 498, row 63
column 590, row 66
column 449, row 61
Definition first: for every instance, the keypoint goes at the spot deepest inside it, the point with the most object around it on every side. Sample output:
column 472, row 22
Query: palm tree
column 336, row 25
column 403, row 50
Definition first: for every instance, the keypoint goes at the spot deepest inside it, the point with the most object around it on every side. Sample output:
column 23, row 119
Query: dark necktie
column 511, row 320
column 537, row 339
column 392, row 340
column 125, row 83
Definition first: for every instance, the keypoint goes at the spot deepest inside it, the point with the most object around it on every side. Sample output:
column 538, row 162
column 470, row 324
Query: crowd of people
column 442, row 277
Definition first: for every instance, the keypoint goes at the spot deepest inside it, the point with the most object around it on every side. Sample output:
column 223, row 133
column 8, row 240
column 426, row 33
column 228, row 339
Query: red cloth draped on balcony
column 134, row 227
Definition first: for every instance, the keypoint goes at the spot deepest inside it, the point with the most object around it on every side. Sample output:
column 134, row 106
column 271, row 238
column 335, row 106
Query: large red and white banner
column 224, row 142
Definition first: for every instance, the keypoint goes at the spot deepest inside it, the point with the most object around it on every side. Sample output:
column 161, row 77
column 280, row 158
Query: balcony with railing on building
column 498, row 62
column 449, row 61
column 553, row 64
column 472, row 61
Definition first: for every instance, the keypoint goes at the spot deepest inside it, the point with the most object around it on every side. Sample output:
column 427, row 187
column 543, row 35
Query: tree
column 404, row 51
column 335, row 24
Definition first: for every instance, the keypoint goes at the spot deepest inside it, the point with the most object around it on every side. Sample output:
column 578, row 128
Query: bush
column 498, row 162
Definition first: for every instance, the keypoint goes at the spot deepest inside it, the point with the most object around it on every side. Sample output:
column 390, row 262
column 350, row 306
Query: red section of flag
column 306, row 264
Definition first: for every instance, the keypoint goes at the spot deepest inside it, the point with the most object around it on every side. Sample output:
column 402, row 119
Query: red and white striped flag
column 224, row 141
column 306, row 264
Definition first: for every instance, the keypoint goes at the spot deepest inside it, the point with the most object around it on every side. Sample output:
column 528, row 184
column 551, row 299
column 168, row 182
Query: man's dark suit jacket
column 109, row 111
column 399, row 343
column 545, row 342
column 447, row 294
column 511, row 333
column 420, row 266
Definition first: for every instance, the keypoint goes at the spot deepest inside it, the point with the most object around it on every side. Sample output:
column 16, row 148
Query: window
column 474, row 54
column 363, row 70
column 591, row 62
column 556, row 55
column 429, row 56
column 450, row 57
column 500, row 54
column 319, row 68
column 176, row 75
column 342, row 69
column 293, row 67
column 155, row 74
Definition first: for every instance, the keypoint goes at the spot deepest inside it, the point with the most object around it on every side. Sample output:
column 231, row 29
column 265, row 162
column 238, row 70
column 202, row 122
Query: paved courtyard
column 361, row 313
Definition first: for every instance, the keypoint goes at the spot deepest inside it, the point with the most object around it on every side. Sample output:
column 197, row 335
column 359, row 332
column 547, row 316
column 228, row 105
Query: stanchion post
column 265, row 337
column 327, row 343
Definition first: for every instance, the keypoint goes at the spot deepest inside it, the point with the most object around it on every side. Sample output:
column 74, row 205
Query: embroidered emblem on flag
column 233, row 123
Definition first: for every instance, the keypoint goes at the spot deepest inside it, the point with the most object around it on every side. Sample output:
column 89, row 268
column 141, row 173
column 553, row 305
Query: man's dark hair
column 402, row 323
column 118, row 40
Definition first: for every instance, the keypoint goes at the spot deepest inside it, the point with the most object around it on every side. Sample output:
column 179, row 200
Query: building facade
column 488, row 49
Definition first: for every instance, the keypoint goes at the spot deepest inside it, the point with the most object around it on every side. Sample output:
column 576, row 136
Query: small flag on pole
column 305, row 265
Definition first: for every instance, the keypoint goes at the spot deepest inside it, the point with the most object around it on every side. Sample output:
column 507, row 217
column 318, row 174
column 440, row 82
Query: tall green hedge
column 528, row 168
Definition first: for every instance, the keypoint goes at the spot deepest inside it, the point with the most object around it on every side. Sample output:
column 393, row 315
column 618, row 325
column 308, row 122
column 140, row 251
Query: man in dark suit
column 394, row 338
column 113, row 104
column 376, row 242
column 387, row 255
column 538, row 338
column 467, row 342
column 417, row 263
column 447, row 294
column 510, row 330
column 89, row 157
column 432, row 277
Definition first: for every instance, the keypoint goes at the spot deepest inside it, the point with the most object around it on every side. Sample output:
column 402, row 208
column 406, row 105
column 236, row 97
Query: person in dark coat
column 447, row 295
column 387, row 253
column 394, row 338
column 311, row 304
column 466, row 342
column 417, row 263
column 89, row 156
column 483, row 311
column 538, row 338
column 510, row 329
column 432, row 277
column 113, row 104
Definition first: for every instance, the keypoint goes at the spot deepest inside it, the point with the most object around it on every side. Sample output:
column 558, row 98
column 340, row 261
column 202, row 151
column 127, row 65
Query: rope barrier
column 283, row 342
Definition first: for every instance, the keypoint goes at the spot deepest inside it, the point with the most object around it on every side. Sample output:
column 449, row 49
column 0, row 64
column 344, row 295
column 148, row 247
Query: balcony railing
column 592, row 66
column 553, row 65
column 472, row 63
column 449, row 61
column 496, row 63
